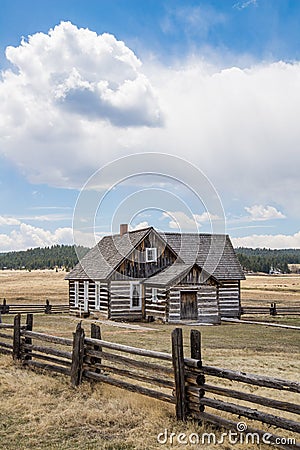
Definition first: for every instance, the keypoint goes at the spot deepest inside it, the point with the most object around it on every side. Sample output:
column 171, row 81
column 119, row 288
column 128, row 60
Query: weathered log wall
column 229, row 298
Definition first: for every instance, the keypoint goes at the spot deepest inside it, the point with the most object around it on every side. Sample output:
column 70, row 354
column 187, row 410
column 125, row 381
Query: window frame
column 97, row 295
column 154, row 295
column 132, row 284
column 154, row 250
column 76, row 294
column 86, row 295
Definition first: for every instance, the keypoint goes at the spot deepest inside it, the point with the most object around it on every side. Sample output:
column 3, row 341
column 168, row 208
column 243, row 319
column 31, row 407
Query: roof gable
column 107, row 255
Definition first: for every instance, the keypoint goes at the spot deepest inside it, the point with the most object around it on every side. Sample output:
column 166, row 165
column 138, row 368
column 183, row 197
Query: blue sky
column 213, row 82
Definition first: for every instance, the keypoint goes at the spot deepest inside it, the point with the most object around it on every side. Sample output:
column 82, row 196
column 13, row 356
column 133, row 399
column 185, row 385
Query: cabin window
column 135, row 296
column 154, row 295
column 76, row 293
column 97, row 294
column 151, row 254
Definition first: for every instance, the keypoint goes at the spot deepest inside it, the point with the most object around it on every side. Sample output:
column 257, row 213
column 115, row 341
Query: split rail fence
column 272, row 310
column 47, row 308
column 198, row 391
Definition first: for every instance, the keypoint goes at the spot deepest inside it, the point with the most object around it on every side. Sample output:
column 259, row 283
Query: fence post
column 273, row 311
column 48, row 307
column 17, row 337
column 77, row 355
column 195, row 339
column 5, row 307
column 178, row 365
column 28, row 340
column 96, row 334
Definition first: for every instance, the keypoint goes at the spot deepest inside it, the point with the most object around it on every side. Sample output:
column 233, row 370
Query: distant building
column 273, row 271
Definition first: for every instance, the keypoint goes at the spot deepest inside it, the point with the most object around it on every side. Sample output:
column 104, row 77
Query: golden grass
column 265, row 289
column 21, row 286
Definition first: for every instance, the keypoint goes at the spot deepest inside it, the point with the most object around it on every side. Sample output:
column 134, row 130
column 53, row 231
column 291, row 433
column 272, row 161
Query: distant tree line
column 56, row 256
column 264, row 259
column 254, row 260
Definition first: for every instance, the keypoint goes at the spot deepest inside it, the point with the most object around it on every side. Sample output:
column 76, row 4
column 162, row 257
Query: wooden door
column 188, row 308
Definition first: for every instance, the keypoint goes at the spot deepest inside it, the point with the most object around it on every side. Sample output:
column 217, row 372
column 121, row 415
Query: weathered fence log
column 77, row 355
column 195, row 411
column 5, row 351
column 6, row 336
column 49, row 351
column 129, row 361
column 251, row 398
column 51, row 367
column 257, row 380
column 193, row 405
column 253, row 414
column 136, row 376
column 51, row 359
column 6, row 325
column 47, row 337
column 197, row 380
column 5, row 345
column 128, row 386
column 178, row 365
column 131, row 350
column 193, row 363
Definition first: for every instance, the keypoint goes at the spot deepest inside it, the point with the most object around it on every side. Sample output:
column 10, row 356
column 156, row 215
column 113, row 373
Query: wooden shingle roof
column 211, row 252
column 167, row 276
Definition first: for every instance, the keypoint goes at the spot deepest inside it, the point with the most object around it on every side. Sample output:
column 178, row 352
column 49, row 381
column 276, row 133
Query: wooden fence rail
column 169, row 377
column 47, row 308
column 272, row 310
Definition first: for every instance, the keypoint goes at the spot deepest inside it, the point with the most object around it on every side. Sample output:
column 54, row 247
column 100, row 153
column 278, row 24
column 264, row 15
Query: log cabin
column 150, row 275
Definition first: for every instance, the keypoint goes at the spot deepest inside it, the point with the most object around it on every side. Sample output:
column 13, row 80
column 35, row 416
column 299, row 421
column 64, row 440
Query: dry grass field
column 21, row 286
column 265, row 289
column 42, row 411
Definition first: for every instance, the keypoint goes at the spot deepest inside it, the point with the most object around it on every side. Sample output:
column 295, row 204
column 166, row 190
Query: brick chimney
column 123, row 228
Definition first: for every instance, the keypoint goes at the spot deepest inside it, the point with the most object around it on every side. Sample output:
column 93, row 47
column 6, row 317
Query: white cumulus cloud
column 26, row 236
column 75, row 100
column 9, row 221
column 66, row 95
column 268, row 241
column 180, row 220
column 260, row 212
column 139, row 226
